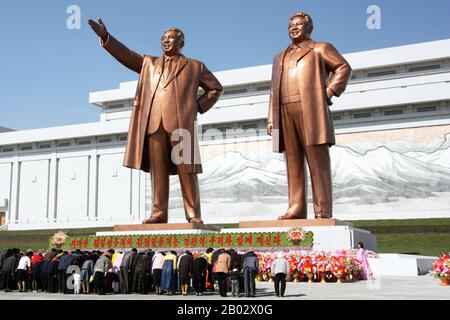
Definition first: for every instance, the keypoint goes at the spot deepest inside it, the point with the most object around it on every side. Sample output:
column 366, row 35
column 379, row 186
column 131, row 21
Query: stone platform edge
column 294, row 222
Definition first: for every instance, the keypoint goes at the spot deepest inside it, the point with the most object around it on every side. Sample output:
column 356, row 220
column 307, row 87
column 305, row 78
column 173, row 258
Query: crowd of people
column 125, row 272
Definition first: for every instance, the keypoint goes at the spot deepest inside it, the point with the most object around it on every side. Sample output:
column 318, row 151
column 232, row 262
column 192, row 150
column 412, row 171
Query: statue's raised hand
column 98, row 27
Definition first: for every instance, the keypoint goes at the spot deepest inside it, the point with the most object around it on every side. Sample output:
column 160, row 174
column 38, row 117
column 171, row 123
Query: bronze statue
column 299, row 115
column 166, row 101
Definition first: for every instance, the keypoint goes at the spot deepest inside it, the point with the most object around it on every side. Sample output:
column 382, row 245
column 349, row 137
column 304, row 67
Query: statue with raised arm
column 305, row 76
column 164, row 112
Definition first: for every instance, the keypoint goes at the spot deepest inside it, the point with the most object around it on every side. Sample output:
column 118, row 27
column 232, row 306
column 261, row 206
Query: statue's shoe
column 289, row 217
column 154, row 220
column 322, row 216
column 195, row 220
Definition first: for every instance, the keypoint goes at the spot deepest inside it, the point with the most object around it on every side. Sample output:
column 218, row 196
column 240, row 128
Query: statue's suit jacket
column 315, row 63
column 188, row 76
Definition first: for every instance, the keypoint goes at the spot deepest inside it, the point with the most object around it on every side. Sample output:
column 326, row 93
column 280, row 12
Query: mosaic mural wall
column 402, row 173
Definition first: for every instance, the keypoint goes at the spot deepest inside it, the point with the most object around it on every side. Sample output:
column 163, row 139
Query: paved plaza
column 386, row 288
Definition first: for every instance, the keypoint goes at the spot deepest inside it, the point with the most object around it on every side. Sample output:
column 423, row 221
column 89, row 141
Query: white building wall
column 33, row 190
column 78, row 186
column 73, row 187
column 5, row 185
column 114, row 188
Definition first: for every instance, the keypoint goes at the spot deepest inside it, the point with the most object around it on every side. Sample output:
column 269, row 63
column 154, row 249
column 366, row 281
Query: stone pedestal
column 329, row 234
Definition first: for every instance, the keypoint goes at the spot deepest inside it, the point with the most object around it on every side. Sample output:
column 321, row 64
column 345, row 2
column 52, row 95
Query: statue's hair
column 180, row 34
column 307, row 18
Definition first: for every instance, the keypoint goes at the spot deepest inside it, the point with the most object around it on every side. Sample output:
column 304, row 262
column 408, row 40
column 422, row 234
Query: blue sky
column 47, row 70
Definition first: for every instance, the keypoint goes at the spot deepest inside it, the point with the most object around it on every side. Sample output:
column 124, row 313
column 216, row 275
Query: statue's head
column 172, row 41
column 300, row 27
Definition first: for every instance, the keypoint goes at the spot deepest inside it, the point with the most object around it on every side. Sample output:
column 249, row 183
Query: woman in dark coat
column 45, row 269
column 8, row 269
column 149, row 277
column 142, row 271
column 236, row 260
column 184, row 271
column 53, row 275
column 44, row 275
column 199, row 270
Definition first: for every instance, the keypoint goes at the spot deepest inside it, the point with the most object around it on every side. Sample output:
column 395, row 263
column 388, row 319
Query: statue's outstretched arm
column 125, row 56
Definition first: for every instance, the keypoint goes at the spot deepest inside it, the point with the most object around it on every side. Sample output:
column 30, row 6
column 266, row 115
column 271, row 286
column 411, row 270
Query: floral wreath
column 59, row 238
column 296, row 234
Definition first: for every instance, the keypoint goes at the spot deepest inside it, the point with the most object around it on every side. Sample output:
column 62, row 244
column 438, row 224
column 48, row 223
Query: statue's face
column 298, row 29
column 170, row 43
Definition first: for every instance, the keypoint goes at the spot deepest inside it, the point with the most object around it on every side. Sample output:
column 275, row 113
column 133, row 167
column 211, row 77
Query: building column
column 13, row 212
column 92, row 185
column 52, row 195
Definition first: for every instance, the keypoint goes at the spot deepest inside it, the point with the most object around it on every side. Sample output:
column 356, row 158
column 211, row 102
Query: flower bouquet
column 323, row 266
column 441, row 269
column 292, row 260
column 307, row 268
column 59, row 239
column 265, row 265
column 338, row 268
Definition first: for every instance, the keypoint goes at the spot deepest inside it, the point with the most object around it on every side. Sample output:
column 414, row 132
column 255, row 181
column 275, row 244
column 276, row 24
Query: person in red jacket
column 35, row 270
